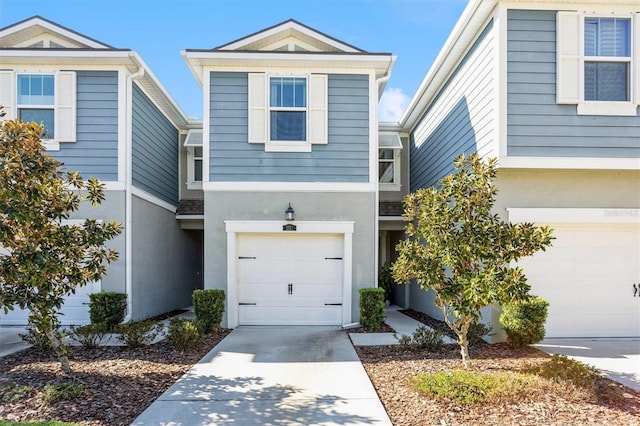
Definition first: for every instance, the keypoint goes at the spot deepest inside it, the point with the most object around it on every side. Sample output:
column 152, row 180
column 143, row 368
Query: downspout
column 128, row 195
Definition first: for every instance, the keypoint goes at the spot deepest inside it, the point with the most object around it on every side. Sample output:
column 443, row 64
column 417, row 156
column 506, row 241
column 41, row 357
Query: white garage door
column 290, row 279
column 75, row 309
column 588, row 278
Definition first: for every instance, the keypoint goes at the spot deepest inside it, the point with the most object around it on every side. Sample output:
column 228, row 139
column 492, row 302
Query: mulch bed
column 119, row 383
column 384, row 328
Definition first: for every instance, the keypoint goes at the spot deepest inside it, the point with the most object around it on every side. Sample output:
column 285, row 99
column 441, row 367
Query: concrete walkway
column 273, row 375
column 617, row 359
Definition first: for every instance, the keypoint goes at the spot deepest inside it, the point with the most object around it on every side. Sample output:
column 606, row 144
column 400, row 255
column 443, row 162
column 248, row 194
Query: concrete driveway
column 273, row 375
column 617, row 359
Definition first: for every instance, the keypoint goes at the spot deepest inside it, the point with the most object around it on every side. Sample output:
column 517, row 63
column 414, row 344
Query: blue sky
column 413, row 30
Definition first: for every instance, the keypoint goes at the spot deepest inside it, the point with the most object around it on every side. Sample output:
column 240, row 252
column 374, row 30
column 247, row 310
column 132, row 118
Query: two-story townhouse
column 106, row 115
column 552, row 90
column 288, row 158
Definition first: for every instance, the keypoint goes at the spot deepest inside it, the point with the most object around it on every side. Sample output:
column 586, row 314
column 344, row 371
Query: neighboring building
column 290, row 120
column 107, row 116
column 552, row 90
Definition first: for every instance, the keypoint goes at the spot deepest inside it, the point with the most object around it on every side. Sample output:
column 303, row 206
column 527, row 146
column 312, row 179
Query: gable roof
column 264, row 39
column 27, row 32
column 289, row 44
column 20, row 45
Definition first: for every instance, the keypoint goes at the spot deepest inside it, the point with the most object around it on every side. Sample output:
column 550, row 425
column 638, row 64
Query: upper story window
column 288, row 113
column 193, row 143
column 36, row 101
column 47, row 98
column 389, row 150
column 607, row 62
column 597, row 62
column 288, row 109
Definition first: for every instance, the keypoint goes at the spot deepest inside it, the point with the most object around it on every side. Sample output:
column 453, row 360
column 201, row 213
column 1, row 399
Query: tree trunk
column 60, row 348
column 464, row 350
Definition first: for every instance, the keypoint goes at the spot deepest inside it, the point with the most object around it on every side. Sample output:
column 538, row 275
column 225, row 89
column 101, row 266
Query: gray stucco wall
column 112, row 208
column 357, row 207
column 166, row 261
column 536, row 125
column 95, row 152
column 344, row 159
column 155, row 149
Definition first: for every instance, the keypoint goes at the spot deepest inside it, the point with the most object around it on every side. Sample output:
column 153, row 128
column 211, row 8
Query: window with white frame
column 288, row 109
column 193, row 143
column 597, row 62
column 288, row 112
column 35, row 101
column 607, row 59
column 47, row 98
column 389, row 149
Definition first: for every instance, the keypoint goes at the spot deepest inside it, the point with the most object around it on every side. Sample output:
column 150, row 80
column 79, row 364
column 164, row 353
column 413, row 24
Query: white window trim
column 316, row 111
column 396, row 184
column 571, row 61
column 192, row 141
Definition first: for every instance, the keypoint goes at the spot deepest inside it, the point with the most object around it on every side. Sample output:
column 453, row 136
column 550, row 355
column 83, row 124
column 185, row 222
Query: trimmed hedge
column 209, row 307
column 524, row 320
column 372, row 307
column 107, row 308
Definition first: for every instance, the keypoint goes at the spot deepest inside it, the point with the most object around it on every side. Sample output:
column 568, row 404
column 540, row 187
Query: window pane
column 607, row 37
column 606, row 81
column 40, row 116
column 197, row 151
column 35, row 89
column 288, row 126
column 385, row 172
column 197, row 170
column 385, row 154
column 288, row 92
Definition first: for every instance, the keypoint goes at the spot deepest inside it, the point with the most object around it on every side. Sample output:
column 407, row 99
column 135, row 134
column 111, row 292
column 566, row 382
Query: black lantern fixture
column 289, row 213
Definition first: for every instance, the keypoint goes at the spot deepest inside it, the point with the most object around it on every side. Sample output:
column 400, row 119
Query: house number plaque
column 289, row 227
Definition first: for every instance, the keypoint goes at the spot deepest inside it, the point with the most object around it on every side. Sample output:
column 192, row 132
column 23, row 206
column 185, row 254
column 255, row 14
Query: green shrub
column 38, row 339
column 477, row 331
column 108, row 308
column 9, row 392
column 470, row 388
column 184, row 334
column 524, row 320
column 386, row 281
column 65, row 391
column 209, row 307
column 139, row 333
column 424, row 338
column 372, row 308
column 89, row 336
column 560, row 368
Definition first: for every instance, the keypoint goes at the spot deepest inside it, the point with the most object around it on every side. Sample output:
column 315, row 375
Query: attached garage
column 294, row 275
column 75, row 310
column 290, row 279
column 589, row 274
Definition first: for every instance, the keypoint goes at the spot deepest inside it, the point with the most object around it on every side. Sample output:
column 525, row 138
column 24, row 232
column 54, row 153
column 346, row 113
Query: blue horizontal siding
column 536, row 125
column 344, row 159
column 95, row 152
column 154, row 149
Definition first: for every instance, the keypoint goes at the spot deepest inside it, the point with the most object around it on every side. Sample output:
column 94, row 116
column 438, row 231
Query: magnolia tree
column 458, row 248
column 44, row 258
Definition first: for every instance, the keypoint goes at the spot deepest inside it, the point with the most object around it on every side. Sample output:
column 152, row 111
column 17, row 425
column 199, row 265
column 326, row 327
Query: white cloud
column 392, row 104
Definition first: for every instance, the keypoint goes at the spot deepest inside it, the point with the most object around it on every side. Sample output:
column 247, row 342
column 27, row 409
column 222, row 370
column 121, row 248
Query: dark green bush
column 386, row 281
column 184, row 334
column 524, row 320
column 477, row 331
column 372, row 308
column 561, row 368
column 107, row 308
column 424, row 338
column 209, row 307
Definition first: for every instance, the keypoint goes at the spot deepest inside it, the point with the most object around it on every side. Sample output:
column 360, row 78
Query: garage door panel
column 290, row 278
column 587, row 279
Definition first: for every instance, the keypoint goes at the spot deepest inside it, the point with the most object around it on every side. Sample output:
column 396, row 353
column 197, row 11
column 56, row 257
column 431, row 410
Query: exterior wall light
column 289, row 213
